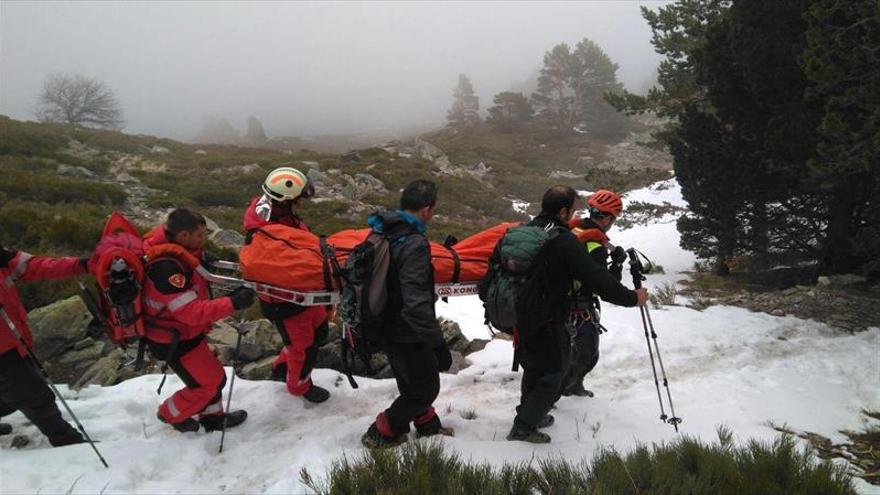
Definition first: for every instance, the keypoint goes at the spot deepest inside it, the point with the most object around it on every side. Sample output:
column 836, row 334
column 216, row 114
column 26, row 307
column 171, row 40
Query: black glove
column 444, row 357
column 208, row 260
column 618, row 255
column 242, row 298
column 6, row 255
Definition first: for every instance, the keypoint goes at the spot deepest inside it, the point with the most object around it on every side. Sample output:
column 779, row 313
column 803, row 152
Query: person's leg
column 300, row 337
column 22, row 388
column 204, row 378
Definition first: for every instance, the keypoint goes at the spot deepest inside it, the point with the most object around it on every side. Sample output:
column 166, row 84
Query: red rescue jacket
column 176, row 297
column 24, row 266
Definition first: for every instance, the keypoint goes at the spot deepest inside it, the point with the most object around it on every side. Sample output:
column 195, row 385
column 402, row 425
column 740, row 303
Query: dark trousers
column 584, row 354
column 544, row 357
column 22, row 388
column 418, row 381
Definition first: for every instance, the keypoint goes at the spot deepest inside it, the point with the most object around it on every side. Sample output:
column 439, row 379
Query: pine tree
column 554, row 99
column 465, row 111
column 842, row 63
column 594, row 75
column 511, row 112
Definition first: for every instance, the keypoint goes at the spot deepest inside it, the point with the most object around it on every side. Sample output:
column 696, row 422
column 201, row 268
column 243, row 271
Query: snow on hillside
column 727, row 366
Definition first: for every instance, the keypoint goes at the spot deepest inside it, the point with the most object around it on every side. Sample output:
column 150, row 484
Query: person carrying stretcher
column 302, row 328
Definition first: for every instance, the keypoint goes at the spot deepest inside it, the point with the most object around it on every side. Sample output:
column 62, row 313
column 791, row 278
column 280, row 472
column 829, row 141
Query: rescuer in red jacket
column 179, row 313
column 302, row 328
column 22, row 388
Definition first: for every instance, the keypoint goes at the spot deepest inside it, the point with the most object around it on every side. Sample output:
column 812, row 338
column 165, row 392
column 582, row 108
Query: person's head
column 419, row 198
column 605, row 206
column 288, row 187
column 559, row 203
column 187, row 228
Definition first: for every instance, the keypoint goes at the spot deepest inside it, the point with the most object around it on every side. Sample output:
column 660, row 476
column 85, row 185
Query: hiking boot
column 546, row 421
column 433, row 427
column 531, row 436
column 578, row 390
column 316, row 394
column 70, row 438
column 214, row 422
column 372, row 439
column 5, row 428
column 184, row 426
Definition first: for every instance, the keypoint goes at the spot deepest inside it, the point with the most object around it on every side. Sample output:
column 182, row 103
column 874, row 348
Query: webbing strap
column 456, row 264
column 325, row 263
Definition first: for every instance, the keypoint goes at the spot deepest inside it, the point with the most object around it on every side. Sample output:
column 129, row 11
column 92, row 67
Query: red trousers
column 204, row 378
column 299, row 351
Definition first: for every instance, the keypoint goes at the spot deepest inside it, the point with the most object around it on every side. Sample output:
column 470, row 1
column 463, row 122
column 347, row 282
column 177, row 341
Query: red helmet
column 607, row 202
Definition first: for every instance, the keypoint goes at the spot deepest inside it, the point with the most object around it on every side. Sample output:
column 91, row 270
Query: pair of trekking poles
column 636, row 269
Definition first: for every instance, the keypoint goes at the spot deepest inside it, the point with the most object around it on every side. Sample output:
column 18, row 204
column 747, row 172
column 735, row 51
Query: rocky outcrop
column 58, row 326
column 442, row 164
column 361, row 186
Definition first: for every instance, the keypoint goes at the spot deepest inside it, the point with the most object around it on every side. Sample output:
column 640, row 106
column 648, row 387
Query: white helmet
column 287, row 183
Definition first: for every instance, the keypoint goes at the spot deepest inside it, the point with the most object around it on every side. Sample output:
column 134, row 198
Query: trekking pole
column 48, row 381
column 635, row 268
column 231, row 384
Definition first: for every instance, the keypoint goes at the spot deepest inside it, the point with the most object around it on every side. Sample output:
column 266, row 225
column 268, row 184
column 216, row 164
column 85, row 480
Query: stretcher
column 310, row 298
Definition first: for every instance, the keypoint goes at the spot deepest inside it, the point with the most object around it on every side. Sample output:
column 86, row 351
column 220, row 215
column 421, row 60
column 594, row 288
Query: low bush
column 686, row 465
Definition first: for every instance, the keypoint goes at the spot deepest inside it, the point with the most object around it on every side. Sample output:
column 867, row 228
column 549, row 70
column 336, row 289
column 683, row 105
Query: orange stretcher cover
column 292, row 258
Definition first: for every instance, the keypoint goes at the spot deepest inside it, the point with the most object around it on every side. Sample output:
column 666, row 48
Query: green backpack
column 511, row 269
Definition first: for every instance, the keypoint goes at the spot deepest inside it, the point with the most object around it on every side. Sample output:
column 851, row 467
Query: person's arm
column 173, row 292
column 26, row 267
column 590, row 273
column 417, row 290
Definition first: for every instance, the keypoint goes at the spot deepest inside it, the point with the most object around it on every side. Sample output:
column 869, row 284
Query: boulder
column 475, row 346
column 201, row 152
column 227, row 238
column 459, row 362
column 88, row 354
column 258, row 370
column 452, row 335
column 105, row 371
column 362, row 185
column 75, row 171
column 58, row 326
column 159, row 150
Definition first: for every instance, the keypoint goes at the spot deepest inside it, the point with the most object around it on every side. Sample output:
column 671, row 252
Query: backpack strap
column 326, row 253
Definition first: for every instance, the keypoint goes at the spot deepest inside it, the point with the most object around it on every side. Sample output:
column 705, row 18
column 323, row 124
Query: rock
column 58, row 326
column 350, row 157
column 458, row 363
column 159, row 150
column 476, row 345
column 265, row 336
column 227, row 238
column 223, row 334
column 453, row 336
column 82, row 344
column 201, row 152
column 777, row 312
column 259, row 370
column 19, row 441
column 74, row 171
column 823, row 281
column 90, row 353
column 105, row 371
column 362, row 185
column 317, row 177
column 845, row 280
column 311, row 165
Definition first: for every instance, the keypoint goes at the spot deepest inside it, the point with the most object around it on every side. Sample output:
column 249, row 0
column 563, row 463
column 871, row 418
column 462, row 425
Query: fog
column 301, row 68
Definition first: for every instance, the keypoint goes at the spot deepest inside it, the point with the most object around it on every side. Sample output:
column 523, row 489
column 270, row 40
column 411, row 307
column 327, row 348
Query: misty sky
column 301, row 68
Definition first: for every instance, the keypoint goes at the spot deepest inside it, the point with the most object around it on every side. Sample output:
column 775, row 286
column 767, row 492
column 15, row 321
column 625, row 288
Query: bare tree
column 78, row 100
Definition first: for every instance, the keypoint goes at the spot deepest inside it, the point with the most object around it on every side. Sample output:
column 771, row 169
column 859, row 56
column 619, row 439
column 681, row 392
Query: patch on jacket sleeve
column 168, row 276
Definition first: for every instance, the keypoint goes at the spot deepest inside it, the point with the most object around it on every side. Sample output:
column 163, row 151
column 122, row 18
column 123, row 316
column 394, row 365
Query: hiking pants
column 301, row 334
column 202, row 374
column 584, row 353
column 418, row 381
column 544, row 357
column 22, row 388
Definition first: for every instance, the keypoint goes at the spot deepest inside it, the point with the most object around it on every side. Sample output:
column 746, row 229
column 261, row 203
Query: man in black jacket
column 413, row 340
column 543, row 311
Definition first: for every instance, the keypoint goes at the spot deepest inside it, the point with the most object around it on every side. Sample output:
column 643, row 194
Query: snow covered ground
column 727, row 366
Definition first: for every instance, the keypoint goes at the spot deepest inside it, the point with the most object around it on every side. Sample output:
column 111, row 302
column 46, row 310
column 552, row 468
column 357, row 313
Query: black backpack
column 513, row 268
column 362, row 303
